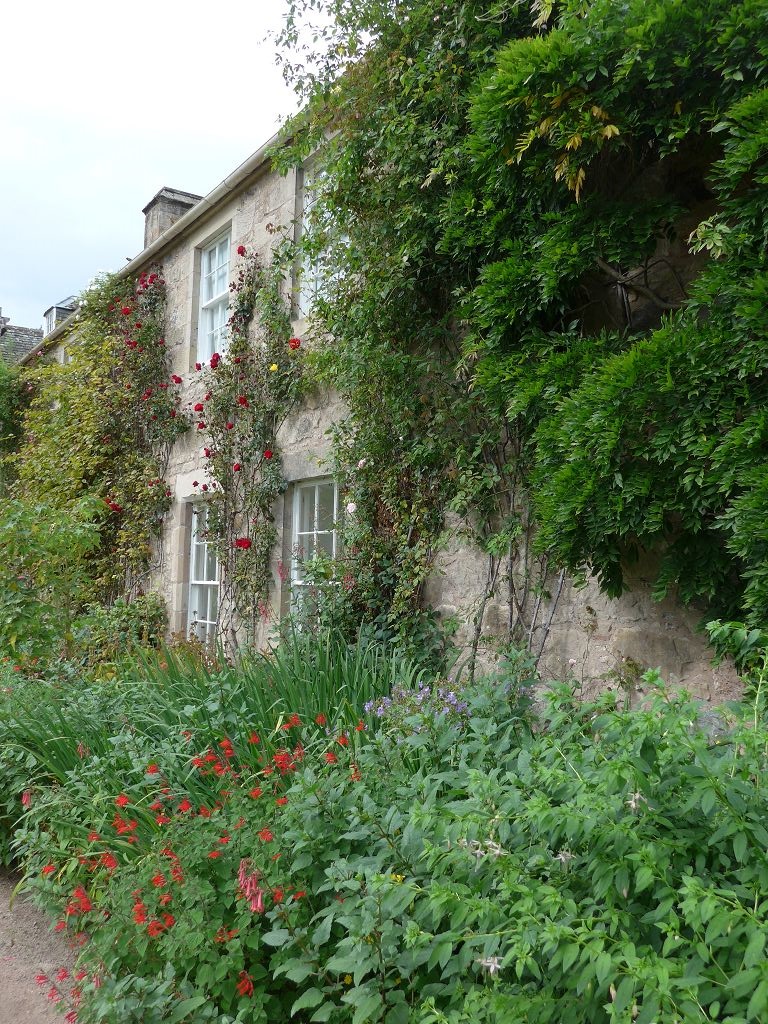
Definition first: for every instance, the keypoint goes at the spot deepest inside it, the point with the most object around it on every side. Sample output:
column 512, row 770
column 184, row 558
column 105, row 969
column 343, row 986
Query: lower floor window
column 316, row 536
column 203, row 579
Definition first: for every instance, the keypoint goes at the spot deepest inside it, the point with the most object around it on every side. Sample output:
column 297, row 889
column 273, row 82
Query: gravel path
column 28, row 948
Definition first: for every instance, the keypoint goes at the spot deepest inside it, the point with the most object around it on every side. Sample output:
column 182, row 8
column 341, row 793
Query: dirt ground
column 28, row 949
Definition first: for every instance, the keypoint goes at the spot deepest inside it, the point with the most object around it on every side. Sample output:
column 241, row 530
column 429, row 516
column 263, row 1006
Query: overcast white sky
column 101, row 104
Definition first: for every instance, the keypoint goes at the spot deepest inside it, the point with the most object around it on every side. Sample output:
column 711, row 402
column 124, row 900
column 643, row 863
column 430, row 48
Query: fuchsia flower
column 248, row 878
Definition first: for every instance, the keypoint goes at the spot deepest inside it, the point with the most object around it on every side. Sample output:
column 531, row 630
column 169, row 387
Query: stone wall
column 598, row 641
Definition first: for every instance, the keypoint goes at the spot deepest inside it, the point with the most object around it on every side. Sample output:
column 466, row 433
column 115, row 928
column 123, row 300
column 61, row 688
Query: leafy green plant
column 103, row 424
column 44, row 575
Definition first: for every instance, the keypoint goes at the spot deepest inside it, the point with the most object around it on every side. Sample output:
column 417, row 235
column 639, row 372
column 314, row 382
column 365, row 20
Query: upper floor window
column 310, row 271
column 322, row 246
column 214, row 299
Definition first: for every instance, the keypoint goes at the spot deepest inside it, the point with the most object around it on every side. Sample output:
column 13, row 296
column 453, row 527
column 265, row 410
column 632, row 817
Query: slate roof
column 16, row 342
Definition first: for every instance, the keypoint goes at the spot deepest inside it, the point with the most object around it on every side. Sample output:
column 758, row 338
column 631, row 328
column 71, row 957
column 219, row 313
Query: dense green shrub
column 544, row 229
column 44, row 551
column 591, row 864
column 103, row 635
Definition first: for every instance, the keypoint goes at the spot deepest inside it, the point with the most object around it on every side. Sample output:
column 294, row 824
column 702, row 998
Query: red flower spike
column 122, row 800
column 48, row 869
column 245, row 984
column 265, row 835
column 321, row 719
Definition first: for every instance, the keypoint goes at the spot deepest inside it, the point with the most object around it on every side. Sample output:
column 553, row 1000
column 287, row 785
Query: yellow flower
column 347, row 979
column 273, row 367
column 397, row 878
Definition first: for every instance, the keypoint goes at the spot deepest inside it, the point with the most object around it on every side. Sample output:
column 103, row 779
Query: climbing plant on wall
column 247, row 394
column 102, row 423
column 549, row 221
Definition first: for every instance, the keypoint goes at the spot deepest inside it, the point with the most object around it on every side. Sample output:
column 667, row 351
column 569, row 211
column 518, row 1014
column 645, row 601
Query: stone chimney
column 165, row 209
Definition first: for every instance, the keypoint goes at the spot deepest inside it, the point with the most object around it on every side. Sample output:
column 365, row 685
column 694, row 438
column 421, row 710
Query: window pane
column 211, row 568
column 325, row 544
column 305, row 546
column 198, row 604
column 213, row 604
column 325, row 510
column 306, row 510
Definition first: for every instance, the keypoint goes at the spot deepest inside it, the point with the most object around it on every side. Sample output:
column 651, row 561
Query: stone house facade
column 598, row 640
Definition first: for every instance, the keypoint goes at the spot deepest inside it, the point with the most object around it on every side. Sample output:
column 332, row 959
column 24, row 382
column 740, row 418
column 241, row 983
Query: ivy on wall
column 103, row 424
column 544, row 230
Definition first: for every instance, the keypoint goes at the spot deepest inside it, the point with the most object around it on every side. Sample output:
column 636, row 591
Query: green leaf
column 185, row 1007
column 323, row 1013
column 277, row 937
column 312, row 997
column 754, row 951
column 368, row 1009
column 322, row 933
column 758, row 1004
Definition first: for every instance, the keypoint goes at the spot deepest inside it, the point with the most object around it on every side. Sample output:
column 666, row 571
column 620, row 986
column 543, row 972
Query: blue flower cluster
column 425, row 701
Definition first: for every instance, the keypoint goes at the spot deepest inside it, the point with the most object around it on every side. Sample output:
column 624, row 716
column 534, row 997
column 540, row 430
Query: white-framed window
column 315, row 534
column 203, row 578
column 214, row 298
column 315, row 276
column 310, row 271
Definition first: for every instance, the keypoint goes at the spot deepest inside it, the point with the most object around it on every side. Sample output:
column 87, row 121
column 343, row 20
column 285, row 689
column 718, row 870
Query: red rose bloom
column 230, row 426
column 236, row 468
column 294, row 343
column 268, row 453
column 126, row 310
column 241, row 250
column 199, row 407
column 243, row 542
